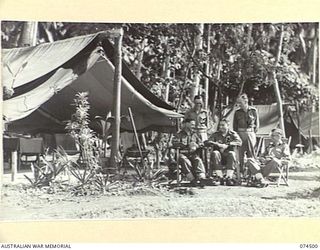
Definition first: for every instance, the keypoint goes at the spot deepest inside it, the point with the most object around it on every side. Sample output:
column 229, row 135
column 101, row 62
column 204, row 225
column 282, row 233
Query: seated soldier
column 224, row 142
column 277, row 152
column 189, row 143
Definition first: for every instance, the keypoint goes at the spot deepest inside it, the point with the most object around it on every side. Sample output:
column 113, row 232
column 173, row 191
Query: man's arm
column 257, row 122
column 235, row 139
column 235, row 121
column 211, row 140
column 286, row 151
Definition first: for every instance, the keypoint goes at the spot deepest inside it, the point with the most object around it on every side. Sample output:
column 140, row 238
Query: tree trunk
column 217, row 89
column 249, row 35
column 315, row 56
column 166, row 72
column 276, row 84
column 198, row 45
column 114, row 155
column 29, row 34
column 140, row 59
column 206, row 82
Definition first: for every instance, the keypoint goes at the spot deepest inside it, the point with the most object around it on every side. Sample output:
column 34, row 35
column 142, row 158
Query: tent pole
column 114, row 155
column 299, row 124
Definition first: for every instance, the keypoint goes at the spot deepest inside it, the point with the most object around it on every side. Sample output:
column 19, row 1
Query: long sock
column 230, row 174
column 259, row 176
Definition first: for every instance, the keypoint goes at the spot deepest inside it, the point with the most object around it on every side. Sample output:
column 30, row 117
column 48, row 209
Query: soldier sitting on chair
column 224, row 142
column 277, row 152
column 189, row 143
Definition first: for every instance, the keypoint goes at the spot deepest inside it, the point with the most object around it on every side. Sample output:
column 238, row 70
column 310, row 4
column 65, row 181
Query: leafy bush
column 46, row 174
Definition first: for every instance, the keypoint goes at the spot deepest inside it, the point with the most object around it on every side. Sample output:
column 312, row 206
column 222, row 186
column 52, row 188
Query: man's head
column 198, row 102
column 243, row 100
column 189, row 124
column 276, row 135
column 224, row 125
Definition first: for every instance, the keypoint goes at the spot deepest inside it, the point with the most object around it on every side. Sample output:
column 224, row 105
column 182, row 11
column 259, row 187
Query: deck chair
column 283, row 170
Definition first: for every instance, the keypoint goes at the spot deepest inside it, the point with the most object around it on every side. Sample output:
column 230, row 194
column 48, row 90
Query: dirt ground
column 300, row 199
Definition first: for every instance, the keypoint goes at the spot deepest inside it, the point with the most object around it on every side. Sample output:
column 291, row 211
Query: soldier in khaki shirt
column 189, row 143
column 246, row 124
column 201, row 117
column 276, row 153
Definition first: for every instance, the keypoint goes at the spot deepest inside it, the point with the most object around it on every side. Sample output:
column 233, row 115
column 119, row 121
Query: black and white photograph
column 105, row 121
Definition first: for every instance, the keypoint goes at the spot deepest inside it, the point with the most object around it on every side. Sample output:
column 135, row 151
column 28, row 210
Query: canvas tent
column 45, row 79
column 309, row 125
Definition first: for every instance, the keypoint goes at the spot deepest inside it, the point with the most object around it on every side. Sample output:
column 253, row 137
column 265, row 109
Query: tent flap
column 55, row 72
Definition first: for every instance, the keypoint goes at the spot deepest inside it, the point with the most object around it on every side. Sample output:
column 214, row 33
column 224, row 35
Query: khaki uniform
column 226, row 157
column 189, row 160
column 265, row 165
column 246, row 124
column 202, row 121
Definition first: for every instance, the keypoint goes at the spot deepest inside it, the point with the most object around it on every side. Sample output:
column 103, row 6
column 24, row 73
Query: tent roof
column 46, row 78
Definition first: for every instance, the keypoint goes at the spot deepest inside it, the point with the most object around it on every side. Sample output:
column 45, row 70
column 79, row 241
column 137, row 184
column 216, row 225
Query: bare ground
column 300, row 199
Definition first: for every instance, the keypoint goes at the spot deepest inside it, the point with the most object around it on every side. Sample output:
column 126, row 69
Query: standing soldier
column 200, row 115
column 246, row 124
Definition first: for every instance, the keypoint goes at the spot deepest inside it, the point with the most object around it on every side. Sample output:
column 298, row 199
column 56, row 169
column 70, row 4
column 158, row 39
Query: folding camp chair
column 135, row 159
column 68, row 144
column 283, row 170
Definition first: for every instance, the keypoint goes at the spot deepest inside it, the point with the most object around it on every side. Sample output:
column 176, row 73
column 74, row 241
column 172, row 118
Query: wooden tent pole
column 135, row 132
column 116, row 102
column 299, row 123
